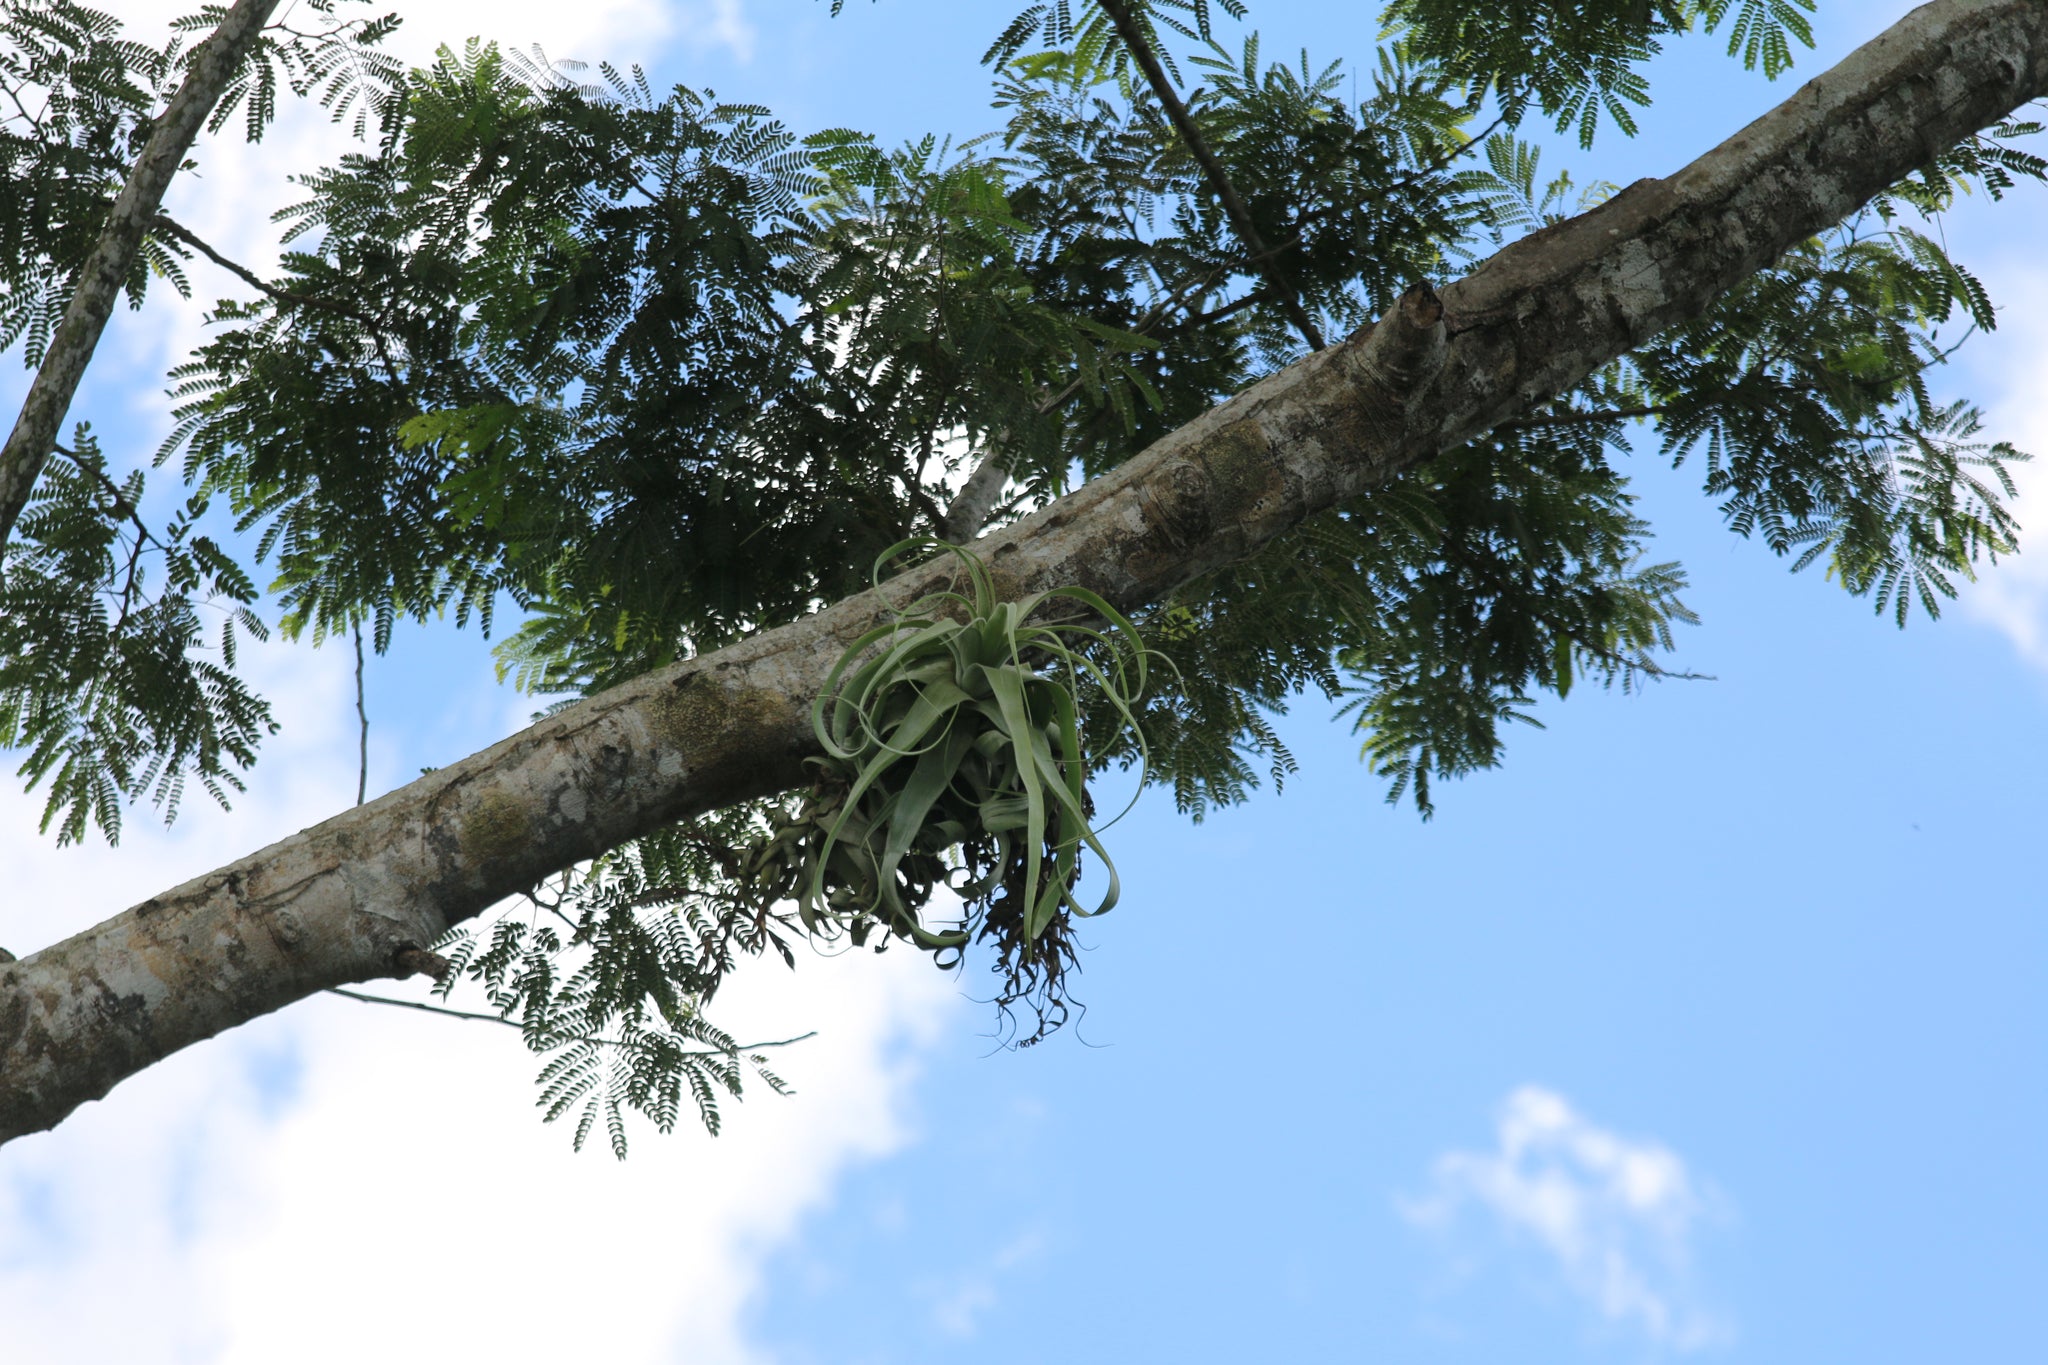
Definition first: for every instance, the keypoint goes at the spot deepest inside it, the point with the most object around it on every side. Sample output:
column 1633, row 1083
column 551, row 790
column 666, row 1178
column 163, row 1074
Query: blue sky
column 1709, row 1027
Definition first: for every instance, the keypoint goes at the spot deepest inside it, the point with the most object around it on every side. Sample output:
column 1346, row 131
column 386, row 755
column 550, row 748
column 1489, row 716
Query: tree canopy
column 630, row 377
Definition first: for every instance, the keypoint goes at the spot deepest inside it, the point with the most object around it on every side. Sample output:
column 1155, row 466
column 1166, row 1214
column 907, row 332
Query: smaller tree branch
column 363, row 724
column 423, row 1008
column 106, row 270
column 171, row 227
column 1448, row 159
column 118, row 501
column 1236, row 305
column 976, row 500
column 1133, row 34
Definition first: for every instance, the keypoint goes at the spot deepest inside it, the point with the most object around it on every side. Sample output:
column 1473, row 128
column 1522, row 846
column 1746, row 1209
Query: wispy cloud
column 958, row 1304
column 1614, row 1217
column 713, row 24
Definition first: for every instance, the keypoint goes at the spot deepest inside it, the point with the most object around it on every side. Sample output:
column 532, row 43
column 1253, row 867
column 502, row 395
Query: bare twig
column 363, row 720
column 423, row 1008
column 737, row 1050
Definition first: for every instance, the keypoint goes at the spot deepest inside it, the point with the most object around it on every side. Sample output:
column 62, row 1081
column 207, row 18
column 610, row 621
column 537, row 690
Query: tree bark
column 977, row 499
column 78, row 334
column 343, row 901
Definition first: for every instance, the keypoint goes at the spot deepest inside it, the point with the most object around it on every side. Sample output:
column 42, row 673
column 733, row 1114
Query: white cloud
column 1613, row 1217
column 2013, row 597
column 957, row 1312
column 340, row 1182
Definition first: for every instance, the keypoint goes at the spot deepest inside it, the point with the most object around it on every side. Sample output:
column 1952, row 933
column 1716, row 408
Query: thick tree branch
column 49, row 397
column 341, row 902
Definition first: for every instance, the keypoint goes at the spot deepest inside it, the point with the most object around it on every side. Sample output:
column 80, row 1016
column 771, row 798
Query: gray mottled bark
column 343, row 901
column 113, row 256
column 977, row 498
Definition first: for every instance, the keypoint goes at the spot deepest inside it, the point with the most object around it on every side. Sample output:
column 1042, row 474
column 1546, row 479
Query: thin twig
column 1625, row 664
column 737, row 1049
column 417, row 1005
column 371, row 325
column 121, row 506
column 173, row 228
column 362, row 716
column 1445, row 162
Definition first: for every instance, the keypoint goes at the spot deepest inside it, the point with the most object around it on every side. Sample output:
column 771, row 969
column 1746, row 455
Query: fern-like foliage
column 609, row 970
column 107, row 682
column 1807, row 391
column 1575, row 62
column 118, row 631
column 315, row 55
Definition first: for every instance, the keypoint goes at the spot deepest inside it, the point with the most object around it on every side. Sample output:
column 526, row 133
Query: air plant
column 953, row 758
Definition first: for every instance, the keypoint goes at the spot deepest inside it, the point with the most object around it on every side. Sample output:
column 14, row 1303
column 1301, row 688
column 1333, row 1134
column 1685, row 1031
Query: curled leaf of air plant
column 953, row 758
